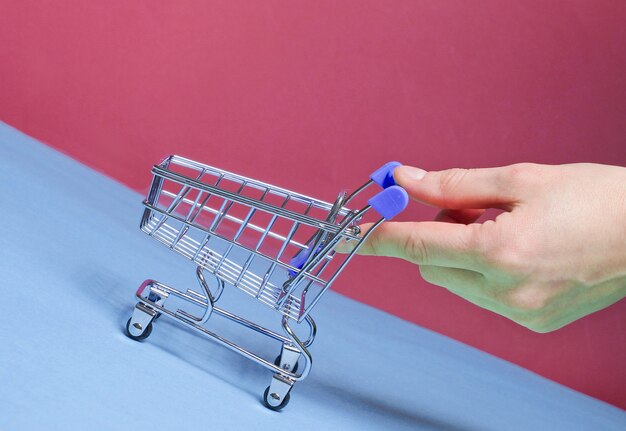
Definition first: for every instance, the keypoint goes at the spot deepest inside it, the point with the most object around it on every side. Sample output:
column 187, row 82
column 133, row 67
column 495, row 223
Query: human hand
column 556, row 253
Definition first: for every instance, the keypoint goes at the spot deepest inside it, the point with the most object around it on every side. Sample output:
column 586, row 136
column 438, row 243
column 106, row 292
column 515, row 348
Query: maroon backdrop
column 314, row 95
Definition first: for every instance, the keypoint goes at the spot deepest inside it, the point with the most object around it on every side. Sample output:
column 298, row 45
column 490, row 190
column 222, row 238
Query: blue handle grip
column 393, row 199
column 383, row 176
column 390, row 202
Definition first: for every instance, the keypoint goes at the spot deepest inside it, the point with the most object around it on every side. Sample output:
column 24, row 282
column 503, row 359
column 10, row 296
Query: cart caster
column 145, row 334
column 270, row 400
column 277, row 363
column 276, row 396
column 139, row 326
column 288, row 358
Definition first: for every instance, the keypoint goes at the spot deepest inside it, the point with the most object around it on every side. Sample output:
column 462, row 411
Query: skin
column 556, row 253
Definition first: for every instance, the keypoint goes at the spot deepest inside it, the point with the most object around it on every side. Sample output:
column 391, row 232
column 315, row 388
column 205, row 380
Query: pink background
column 312, row 96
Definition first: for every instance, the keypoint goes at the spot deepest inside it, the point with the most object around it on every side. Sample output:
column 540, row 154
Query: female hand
column 556, row 253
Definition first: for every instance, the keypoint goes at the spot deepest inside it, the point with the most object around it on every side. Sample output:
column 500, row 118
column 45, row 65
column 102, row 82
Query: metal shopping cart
column 273, row 244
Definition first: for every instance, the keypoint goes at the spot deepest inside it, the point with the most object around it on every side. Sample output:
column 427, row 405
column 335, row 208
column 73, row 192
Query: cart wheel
column 277, row 363
column 266, row 396
column 145, row 334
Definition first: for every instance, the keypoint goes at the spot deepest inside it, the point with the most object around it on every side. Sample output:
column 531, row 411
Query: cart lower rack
column 271, row 243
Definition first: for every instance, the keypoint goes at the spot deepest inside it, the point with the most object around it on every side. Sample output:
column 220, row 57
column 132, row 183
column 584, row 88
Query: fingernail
column 412, row 173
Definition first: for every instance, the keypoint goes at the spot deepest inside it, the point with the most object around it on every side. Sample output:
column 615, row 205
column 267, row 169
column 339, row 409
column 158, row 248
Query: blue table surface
column 72, row 257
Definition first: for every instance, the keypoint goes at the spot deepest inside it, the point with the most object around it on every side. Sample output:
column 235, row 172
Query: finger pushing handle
column 383, row 176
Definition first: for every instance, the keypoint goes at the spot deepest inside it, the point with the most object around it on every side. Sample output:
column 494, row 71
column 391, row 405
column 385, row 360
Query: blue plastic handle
column 390, row 202
column 383, row 176
column 299, row 259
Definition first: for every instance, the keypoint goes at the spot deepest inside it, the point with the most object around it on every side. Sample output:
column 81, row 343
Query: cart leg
column 276, row 395
column 139, row 326
column 211, row 297
column 288, row 359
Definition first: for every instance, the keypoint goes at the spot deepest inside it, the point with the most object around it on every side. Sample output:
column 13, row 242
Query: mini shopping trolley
column 273, row 244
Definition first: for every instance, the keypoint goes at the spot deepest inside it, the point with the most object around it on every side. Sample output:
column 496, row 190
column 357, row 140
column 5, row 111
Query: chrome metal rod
column 290, row 339
column 235, row 197
column 343, row 264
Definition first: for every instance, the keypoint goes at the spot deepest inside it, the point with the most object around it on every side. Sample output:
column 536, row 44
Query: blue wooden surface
column 72, row 256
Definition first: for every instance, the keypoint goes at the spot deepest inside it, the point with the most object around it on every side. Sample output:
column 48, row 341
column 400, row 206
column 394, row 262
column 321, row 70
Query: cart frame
column 291, row 286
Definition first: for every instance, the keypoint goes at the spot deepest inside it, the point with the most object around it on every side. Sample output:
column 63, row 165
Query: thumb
column 458, row 188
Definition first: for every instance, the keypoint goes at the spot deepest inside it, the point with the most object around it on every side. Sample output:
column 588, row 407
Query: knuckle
column 375, row 245
column 531, row 301
column 479, row 238
column 506, row 254
column 415, row 248
column 449, row 180
column 506, row 258
column 529, row 306
column 521, row 174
